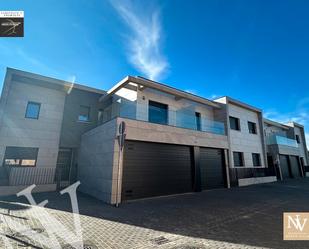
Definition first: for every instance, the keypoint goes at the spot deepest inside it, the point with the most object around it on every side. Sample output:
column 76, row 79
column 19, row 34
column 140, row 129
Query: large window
column 234, row 123
column 238, row 159
column 198, row 121
column 158, row 113
column 84, row 113
column 20, row 156
column 33, row 110
column 256, row 158
column 297, row 139
column 252, row 127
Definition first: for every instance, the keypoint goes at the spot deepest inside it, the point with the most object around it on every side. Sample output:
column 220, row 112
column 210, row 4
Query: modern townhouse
column 286, row 149
column 139, row 139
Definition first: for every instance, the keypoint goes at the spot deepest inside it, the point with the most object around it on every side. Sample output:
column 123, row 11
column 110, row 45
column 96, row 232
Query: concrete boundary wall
column 256, row 180
column 13, row 190
column 96, row 161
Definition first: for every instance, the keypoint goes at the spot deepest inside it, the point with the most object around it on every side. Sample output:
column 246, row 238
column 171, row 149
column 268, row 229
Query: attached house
column 139, row 139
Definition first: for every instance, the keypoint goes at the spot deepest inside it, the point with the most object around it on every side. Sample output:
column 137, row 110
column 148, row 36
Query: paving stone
column 246, row 217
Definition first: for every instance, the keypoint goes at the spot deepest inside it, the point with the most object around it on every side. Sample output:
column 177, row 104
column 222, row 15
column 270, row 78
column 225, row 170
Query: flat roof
column 275, row 123
column 159, row 86
column 239, row 103
column 28, row 77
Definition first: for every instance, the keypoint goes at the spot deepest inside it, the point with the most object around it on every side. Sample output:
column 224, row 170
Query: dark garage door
column 284, row 165
column 295, row 166
column 153, row 169
column 211, row 164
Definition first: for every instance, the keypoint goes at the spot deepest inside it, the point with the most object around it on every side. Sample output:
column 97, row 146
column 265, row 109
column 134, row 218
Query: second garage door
column 284, row 165
column 211, row 164
column 153, row 169
column 295, row 166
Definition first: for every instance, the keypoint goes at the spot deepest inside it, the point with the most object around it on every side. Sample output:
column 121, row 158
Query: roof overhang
column 274, row 123
column 145, row 83
column 48, row 82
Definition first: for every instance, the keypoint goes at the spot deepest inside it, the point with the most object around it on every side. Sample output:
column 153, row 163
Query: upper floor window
column 256, row 159
column 297, row 139
column 20, row 156
column 238, row 159
column 234, row 123
column 33, row 110
column 157, row 113
column 198, row 121
column 252, row 127
column 84, row 113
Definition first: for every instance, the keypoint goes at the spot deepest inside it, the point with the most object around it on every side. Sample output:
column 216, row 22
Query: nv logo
column 295, row 226
column 297, row 222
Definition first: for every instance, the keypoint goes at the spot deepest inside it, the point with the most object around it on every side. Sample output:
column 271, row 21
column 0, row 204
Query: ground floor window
column 20, row 156
column 256, row 158
column 238, row 159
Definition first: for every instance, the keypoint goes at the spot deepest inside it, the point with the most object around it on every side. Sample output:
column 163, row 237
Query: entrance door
column 64, row 166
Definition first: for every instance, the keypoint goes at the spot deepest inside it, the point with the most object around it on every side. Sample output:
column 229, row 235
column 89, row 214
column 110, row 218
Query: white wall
column 243, row 141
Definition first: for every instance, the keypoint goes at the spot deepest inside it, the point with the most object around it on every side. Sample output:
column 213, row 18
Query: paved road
column 247, row 217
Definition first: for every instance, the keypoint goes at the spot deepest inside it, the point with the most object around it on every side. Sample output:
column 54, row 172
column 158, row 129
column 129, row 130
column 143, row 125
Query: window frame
column 241, row 158
column 237, row 122
column 198, row 120
column 259, row 159
column 254, row 127
column 33, row 103
column 158, row 103
column 297, row 138
column 20, row 159
column 79, row 114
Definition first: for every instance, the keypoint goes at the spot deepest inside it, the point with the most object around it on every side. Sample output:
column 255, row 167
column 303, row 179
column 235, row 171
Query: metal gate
column 64, row 167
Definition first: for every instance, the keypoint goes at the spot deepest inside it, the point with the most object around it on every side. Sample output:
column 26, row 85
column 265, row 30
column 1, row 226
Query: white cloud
column 144, row 41
column 192, row 91
column 213, row 96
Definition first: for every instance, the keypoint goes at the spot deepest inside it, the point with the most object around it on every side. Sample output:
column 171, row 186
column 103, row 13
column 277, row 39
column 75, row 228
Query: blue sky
column 255, row 51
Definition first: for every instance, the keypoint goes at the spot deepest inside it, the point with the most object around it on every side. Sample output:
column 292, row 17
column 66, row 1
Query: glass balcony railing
column 280, row 140
column 181, row 118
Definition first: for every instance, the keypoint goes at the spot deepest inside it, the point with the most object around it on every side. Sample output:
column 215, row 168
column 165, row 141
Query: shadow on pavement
column 247, row 216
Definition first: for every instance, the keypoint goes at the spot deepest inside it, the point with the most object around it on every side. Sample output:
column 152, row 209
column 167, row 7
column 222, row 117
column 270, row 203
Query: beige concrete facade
column 98, row 151
column 42, row 133
column 241, row 140
column 98, row 161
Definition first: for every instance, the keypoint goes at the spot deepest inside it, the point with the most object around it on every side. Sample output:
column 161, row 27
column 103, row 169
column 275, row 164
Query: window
column 256, row 158
column 238, row 159
column 234, row 123
column 252, row 127
column 157, row 113
column 33, row 110
column 20, row 156
column 198, row 121
column 297, row 139
column 84, row 113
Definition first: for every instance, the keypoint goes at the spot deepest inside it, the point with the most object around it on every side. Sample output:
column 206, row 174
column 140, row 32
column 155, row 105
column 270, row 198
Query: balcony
column 280, row 140
column 186, row 119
